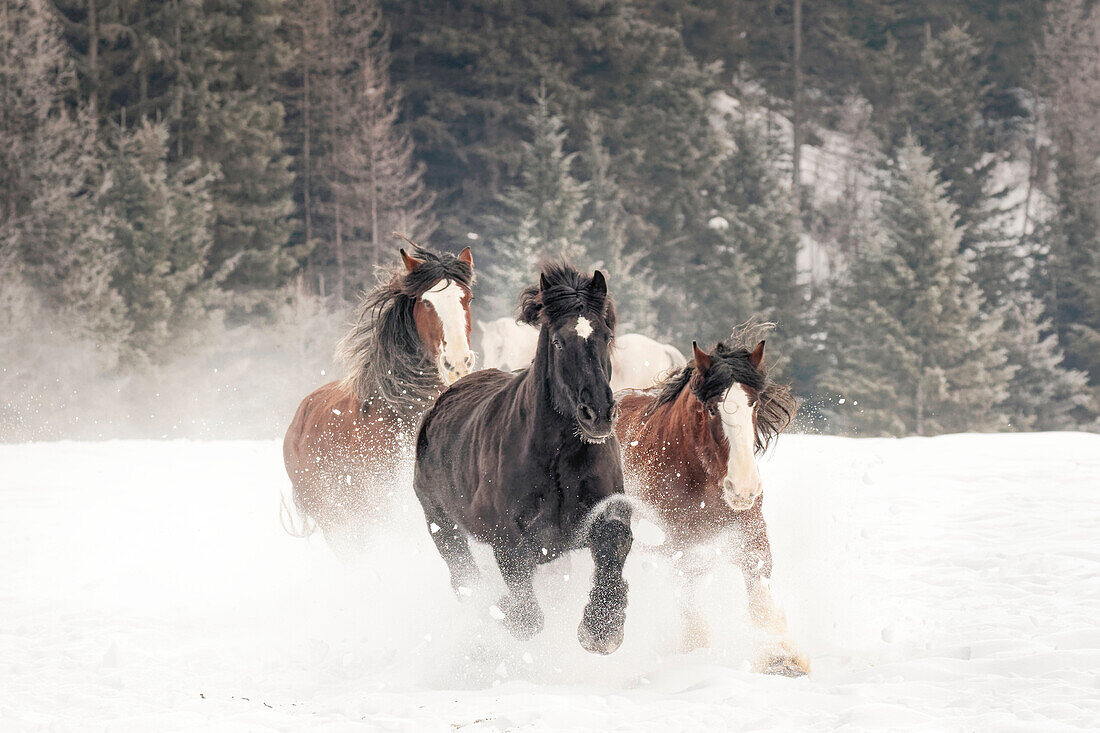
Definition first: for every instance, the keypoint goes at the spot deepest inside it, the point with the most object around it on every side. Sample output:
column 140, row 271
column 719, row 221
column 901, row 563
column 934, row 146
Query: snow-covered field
column 945, row 584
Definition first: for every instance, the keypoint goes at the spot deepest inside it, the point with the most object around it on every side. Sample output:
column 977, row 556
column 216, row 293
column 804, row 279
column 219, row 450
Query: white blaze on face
column 742, row 483
column 584, row 327
column 446, row 299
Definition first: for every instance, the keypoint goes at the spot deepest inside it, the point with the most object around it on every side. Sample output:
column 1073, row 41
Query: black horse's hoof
column 523, row 621
column 598, row 642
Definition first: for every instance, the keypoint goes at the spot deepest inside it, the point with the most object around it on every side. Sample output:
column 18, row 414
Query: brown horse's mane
column 383, row 354
column 775, row 405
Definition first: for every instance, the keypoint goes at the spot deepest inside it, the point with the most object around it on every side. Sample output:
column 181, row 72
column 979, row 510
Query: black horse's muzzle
column 596, row 428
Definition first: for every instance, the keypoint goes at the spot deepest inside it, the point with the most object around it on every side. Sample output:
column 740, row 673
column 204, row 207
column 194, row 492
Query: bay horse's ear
column 467, row 256
column 702, row 358
column 756, row 358
column 411, row 263
column 599, row 284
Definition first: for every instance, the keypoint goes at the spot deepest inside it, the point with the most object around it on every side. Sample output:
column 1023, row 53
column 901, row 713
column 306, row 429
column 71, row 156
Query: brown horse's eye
column 428, row 304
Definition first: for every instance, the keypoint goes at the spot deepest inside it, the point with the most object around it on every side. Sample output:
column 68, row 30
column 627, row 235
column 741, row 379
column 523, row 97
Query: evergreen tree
column 161, row 221
column 750, row 196
column 605, row 242
column 1044, row 394
column 1071, row 67
column 357, row 180
column 941, row 104
column 207, row 70
column 909, row 342
column 467, row 69
column 541, row 215
column 50, row 229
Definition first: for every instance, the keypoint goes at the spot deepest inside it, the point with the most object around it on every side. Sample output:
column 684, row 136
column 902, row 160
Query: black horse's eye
column 557, row 343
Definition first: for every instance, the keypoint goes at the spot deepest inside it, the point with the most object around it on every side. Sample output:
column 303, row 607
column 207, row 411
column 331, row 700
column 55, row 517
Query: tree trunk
column 307, row 162
column 796, row 118
column 375, row 234
column 920, row 405
column 93, row 63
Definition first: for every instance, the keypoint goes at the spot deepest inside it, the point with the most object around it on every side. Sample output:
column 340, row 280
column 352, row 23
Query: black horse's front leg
column 522, row 615
column 601, row 629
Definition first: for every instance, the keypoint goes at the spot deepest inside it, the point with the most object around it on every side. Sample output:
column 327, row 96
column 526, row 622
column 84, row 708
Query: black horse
column 528, row 463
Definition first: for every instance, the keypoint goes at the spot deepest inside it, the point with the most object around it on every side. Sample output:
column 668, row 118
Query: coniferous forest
column 195, row 192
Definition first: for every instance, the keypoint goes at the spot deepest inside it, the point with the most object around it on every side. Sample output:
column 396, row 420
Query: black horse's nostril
column 586, row 414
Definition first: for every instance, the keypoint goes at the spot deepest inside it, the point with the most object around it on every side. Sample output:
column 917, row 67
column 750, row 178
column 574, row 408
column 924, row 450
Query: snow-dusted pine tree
column 160, row 220
column 911, row 350
column 51, row 233
column 542, row 214
column 356, row 177
column 605, row 242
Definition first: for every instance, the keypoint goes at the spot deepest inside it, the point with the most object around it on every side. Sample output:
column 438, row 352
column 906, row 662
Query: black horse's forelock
column 569, row 292
column 775, row 405
column 382, row 352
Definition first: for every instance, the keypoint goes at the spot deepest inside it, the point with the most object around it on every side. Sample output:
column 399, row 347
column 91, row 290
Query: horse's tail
column 296, row 522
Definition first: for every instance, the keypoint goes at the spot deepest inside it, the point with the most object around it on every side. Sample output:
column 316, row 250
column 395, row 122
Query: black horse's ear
column 467, row 256
column 756, row 358
column 543, row 282
column 703, row 360
column 599, row 284
column 411, row 263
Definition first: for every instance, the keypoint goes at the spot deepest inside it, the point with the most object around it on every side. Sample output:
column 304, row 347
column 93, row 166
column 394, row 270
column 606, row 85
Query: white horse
column 637, row 361
column 507, row 345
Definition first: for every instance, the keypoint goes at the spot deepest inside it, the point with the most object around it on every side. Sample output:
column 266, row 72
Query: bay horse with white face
column 412, row 338
column 689, row 448
column 528, row 463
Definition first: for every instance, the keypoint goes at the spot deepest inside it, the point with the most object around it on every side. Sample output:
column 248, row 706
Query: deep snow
column 950, row 583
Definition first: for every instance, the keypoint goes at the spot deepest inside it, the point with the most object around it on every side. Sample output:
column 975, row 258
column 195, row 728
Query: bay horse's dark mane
column 383, row 354
column 775, row 405
column 566, row 294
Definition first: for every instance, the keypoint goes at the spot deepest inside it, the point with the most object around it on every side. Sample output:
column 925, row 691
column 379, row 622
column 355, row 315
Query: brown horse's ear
column 756, row 358
column 703, row 360
column 466, row 256
column 599, row 284
column 411, row 263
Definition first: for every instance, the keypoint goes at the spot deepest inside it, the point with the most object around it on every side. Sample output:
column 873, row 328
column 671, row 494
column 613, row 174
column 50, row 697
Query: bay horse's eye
column 427, row 304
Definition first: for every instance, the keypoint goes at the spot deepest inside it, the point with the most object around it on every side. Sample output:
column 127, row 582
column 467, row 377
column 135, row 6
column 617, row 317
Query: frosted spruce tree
column 940, row 105
column 541, row 215
column 605, row 242
column 161, row 221
column 911, row 350
column 52, row 235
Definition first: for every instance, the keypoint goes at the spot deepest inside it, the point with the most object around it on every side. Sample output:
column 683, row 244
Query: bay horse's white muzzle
column 741, row 496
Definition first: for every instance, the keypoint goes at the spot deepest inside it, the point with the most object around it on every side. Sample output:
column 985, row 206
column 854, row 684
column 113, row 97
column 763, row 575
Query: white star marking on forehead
column 584, row 327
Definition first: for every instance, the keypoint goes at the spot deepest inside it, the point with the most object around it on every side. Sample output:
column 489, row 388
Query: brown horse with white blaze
column 689, row 450
column 411, row 340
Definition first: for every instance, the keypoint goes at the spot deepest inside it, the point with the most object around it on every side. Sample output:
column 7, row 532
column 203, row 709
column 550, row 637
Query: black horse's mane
column 382, row 352
column 775, row 405
column 567, row 292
